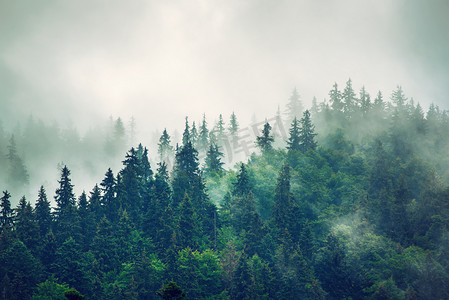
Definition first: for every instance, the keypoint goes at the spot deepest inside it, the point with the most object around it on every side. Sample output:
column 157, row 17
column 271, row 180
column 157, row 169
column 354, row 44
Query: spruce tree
column 284, row 207
column 64, row 194
column 188, row 225
column 186, row 134
column 66, row 216
column 109, row 200
column 349, row 99
column 233, row 128
column 307, row 133
column 220, row 129
column 214, row 165
column 203, row 139
column 265, row 141
column 43, row 212
column 165, row 149
column 365, row 102
column 242, row 185
column 6, row 213
column 398, row 98
column 26, row 227
column 194, row 135
column 242, row 280
column 293, row 143
column 335, row 98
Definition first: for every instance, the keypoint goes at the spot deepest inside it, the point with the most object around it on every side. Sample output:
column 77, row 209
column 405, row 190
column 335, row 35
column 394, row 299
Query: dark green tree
column 71, row 266
column 43, row 212
column 214, row 165
column 307, row 133
column 109, row 200
column 188, row 225
column 27, row 229
column 293, row 143
column 242, row 280
column 242, row 185
column 22, row 270
column 171, row 291
column 265, row 141
column 6, row 213
column 284, row 210
column 65, row 214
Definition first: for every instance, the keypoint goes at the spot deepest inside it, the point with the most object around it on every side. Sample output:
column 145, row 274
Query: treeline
column 32, row 149
column 356, row 207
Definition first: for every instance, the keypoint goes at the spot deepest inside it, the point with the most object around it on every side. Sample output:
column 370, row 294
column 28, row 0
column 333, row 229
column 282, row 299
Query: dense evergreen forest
column 351, row 202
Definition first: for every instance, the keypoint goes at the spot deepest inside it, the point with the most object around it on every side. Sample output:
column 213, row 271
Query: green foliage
column 200, row 272
column 355, row 207
column 50, row 290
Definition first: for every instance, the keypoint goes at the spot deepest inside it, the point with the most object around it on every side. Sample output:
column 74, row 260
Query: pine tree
column 294, row 106
column 186, row 173
column 109, row 199
column 214, row 165
column 43, row 212
column 194, row 135
column 242, row 280
column 134, row 184
column 203, row 139
column 336, row 99
column 87, row 221
column 365, row 101
column 242, row 185
column 188, row 225
column 349, row 99
column 220, row 129
column 6, row 213
column 26, row 226
column 64, row 194
column 186, row 134
column 233, row 128
column 293, row 143
column 398, row 98
column 95, row 207
column 66, row 216
column 284, row 208
column 265, row 141
column 307, row 133
column 165, row 149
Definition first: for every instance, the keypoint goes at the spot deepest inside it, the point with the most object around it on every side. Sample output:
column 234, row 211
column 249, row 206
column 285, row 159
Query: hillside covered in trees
column 350, row 201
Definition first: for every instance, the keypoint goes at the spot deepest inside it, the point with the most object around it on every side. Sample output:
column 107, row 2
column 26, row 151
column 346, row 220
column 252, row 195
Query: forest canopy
column 348, row 199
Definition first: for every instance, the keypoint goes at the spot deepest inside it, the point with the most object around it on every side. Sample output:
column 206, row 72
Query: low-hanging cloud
column 162, row 60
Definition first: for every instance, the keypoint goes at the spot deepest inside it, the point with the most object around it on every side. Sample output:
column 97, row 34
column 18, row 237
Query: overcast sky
column 162, row 60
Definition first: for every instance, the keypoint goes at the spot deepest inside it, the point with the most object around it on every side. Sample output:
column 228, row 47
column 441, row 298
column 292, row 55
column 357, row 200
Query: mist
column 80, row 63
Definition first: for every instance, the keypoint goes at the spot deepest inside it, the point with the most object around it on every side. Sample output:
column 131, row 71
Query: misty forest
column 347, row 199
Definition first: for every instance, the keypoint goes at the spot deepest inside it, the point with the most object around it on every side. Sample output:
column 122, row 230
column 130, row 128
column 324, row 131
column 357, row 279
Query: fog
column 79, row 62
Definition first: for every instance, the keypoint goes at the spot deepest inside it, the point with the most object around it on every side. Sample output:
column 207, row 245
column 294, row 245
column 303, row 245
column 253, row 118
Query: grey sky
column 162, row 60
